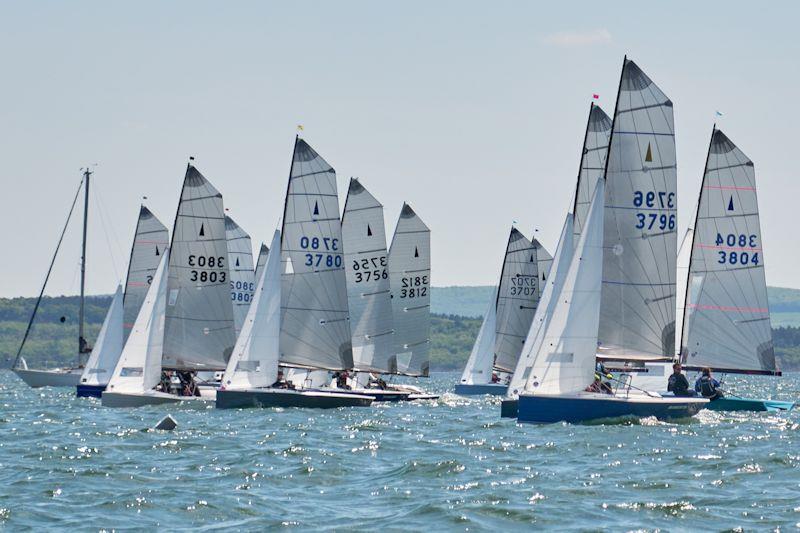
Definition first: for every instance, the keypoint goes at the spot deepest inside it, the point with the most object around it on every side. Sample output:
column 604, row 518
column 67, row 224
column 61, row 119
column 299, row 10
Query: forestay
column 315, row 331
column 551, row 290
column 139, row 366
column 199, row 328
column 592, row 165
column 108, row 346
column 149, row 241
column 517, row 298
column 478, row 370
column 637, row 319
column 240, row 257
column 367, row 267
column 565, row 360
column 254, row 362
column 410, row 280
column 727, row 324
column 263, row 253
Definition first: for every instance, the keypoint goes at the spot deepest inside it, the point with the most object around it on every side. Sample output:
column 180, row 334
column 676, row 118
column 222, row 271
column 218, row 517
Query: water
column 445, row 465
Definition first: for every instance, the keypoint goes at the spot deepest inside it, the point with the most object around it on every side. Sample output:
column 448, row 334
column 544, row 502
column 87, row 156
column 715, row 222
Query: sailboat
column 60, row 377
column 197, row 320
column 726, row 322
column 368, row 294
column 240, row 256
column 556, row 389
column 251, row 378
column 592, row 165
column 524, row 271
column 149, row 242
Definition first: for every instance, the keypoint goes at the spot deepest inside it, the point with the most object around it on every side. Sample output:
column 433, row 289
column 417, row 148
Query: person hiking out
column 707, row 386
column 677, row 383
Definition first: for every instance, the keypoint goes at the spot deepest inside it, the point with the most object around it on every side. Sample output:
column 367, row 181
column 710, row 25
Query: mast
column 82, row 345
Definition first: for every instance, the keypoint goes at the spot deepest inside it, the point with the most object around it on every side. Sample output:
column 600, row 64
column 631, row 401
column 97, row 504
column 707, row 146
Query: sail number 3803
column 207, row 262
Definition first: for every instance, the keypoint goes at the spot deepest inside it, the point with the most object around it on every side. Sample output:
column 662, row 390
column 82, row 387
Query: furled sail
column 592, row 165
column 410, row 281
column 637, row 320
column 254, row 362
column 263, row 253
column 149, row 242
column 517, row 298
column 479, row 365
column 199, row 329
column 139, row 366
column 565, row 360
column 551, row 289
column 727, row 324
column 367, row 267
column 315, row 330
column 240, row 257
column 108, row 346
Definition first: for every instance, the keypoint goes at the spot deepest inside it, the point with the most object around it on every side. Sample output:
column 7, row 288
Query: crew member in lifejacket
column 707, row 386
column 677, row 383
column 281, row 382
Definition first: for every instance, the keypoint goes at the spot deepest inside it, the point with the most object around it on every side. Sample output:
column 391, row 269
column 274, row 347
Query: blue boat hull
column 509, row 408
column 748, row 404
column 90, row 391
column 494, row 389
column 549, row 409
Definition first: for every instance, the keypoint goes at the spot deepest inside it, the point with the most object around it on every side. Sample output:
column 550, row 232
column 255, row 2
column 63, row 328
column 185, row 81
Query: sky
column 473, row 112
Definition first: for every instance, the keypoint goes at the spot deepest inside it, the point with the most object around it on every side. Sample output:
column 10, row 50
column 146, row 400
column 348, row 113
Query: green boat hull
column 748, row 404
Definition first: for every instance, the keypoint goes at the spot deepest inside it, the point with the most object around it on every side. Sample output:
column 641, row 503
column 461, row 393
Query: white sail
column 263, row 253
column 517, row 298
column 410, row 280
column 592, row 166
column 565, row 360
column 544, row 262
column 108, row 345
column 544, row 312
column 367, row 267
column 242, row 283
column 199, row 330
column 139, row 366
column 727, row 324
column 315, row 331
column 254, row 362
column 637, row 320
column 478, row 370
column 149, row 241
column 684, row 256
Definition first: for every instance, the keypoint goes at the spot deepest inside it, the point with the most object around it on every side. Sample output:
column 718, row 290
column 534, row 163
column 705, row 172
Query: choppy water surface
column 445, row 465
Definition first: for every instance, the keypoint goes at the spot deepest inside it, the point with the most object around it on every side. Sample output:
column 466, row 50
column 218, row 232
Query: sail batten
column 199, row 333
column 637, row 319
column 726, row 321
column 315, row 330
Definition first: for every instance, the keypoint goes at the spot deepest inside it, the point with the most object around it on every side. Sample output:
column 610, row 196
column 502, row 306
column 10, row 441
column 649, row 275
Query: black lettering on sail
column 649, row 155
column 369, row 231
column 202, row 230
column 157, row 252
column 416, row 252
column 316, row 208
column 730, row 204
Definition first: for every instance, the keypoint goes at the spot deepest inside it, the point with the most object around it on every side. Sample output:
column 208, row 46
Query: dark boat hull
column 234, row 399
column 90, row 391
column 493, row 389
column 549, row 409
column 508, row 408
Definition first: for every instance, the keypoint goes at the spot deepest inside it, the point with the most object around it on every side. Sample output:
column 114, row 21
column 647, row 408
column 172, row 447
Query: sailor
column 707, row 386
column 341, row 379
column 281, row 382
column 677, row 383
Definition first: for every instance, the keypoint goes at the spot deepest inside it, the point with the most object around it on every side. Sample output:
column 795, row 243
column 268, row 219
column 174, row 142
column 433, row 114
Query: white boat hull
column 50, row 378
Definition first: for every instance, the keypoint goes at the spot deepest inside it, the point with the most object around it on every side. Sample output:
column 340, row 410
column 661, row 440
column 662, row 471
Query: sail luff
column 108, row 345
column 478, row 370
column 592, row 164
column 240, row 261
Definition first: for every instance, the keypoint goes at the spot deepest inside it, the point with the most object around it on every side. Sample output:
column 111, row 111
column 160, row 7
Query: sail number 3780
column 324, row 244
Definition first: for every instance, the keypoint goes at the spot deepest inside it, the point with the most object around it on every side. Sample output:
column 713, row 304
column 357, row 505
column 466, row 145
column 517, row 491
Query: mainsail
column 199, row 328
column 592, row 165
column 149, row 242
column 254, row 362
column 565, row 359
column 240, row 262
column 517, row 298
column 637, row 320
column 315, row 331
column 551, row 289
column 367, row 267
column 479, row 365
column 727, row 324
column 410, row 280
column 263, row 253
column 139, row 366
column 108, row 346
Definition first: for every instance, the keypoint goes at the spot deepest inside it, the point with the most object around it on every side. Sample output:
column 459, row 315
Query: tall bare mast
column 82, row 344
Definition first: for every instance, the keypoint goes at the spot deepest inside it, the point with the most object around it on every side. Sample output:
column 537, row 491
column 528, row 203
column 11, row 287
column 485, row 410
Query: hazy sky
column 472, row 112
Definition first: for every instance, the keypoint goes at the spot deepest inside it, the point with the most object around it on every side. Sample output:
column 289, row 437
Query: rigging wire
column 106, row 224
